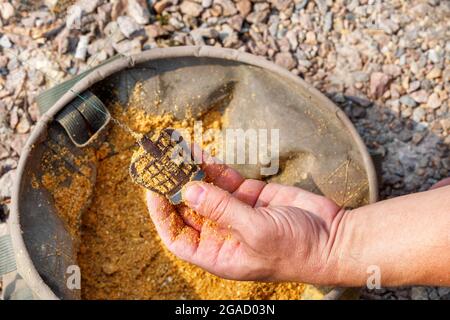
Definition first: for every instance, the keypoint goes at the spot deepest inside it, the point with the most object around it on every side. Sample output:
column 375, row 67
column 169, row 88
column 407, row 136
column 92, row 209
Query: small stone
column 160, row 6
column 434, row 73
column 420, row 96
column 6, row 184
column 7, row 10
column 138, row 10
column 128, row 47
column 286, row 60
column 154, row 31
column 228, row 7
column 4, row 153
column 328, row 22
column 281, row 5
column 311, row 38
column 434, row 101
column 191, row 8
column 419, row 293
column 434, row 56
column 445, row 124
column 128, row 26
column 443, row 291
column 18, row 142
column 413, row 86
column 81, row 51
column 244, row 7
column 378, row 84
column 73, row 18
column 207, row 3
column 88, row 6
column 418, row 114
column 408, row 101
column 392, row 70
column 5, row 42
column 23, row 126
column 417, row 137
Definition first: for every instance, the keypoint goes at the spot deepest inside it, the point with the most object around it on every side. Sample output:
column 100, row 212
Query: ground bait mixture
column 120, row 253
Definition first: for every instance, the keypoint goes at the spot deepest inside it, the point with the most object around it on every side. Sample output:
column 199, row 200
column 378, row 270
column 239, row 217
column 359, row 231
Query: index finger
column 216, row 172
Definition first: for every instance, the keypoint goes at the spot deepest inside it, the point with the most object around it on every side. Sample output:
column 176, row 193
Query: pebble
column 408, row 101
column 418, row 114
column 6, row 184
column 378, row 84
column 420, row 96
column 434, row 101
column 128, row 26
column 244, row 7
column 7, row 11
column 191, row 8
column 138, row 10
column 5, row 42
column 286, row 60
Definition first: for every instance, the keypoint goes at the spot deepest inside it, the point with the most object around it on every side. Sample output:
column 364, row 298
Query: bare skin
column 250, row 230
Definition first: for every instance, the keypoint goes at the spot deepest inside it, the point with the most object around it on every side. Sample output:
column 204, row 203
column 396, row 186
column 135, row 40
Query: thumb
column 217, row 205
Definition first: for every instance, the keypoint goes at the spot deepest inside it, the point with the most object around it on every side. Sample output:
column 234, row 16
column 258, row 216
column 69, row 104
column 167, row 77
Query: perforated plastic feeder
column 320, row 150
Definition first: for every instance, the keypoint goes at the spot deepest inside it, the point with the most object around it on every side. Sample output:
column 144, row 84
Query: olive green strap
column 84, row 116
column 7, row 259
column 48, row 98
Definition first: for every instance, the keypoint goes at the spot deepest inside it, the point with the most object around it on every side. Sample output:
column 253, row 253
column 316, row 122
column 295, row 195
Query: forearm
column 407, row 238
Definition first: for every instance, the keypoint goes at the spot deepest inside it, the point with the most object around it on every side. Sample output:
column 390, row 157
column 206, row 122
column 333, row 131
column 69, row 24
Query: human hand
column 246, row 229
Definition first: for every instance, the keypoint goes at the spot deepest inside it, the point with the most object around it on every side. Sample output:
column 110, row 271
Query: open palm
column 247, row 229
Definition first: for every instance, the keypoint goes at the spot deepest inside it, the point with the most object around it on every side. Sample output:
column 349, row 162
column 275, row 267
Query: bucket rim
column 25, row 265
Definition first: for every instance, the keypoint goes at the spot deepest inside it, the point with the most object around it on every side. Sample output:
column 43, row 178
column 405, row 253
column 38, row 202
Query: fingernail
column 194, row 194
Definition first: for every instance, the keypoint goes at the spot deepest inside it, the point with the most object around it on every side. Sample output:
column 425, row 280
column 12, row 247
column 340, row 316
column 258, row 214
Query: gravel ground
column 385, row 63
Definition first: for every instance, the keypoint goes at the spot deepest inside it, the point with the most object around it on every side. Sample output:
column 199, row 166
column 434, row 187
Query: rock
column 258, row 15
column 82, row 47
column 418, row 114
column 420, row 96
column 18, row 142
column 88, row 6
column 445, row 124
column 119, row 8
column 24, row 125
column 228, row 7
column 190, row 8
column 200, row 33
column 286, row 60
column 434, row 101
column 244, row 7
column 4, row 152
column 7, row 11
column 443, row 291
column 206, row 3
column 434, row 56
column 408, row 101
column 328, row 22
column 73, row 19
column 311, row 38
column 159, row 6
column 434, row 73
column 6, row 184
column 392, row 70
column 128, row 47
column 128, row 26
column 281, row 5
column 155, row 31
column 413, row 86
column 138, row 10
column 378, row 84
column 5, row 42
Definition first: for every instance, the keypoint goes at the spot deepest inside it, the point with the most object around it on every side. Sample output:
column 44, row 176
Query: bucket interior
column 317, row 152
